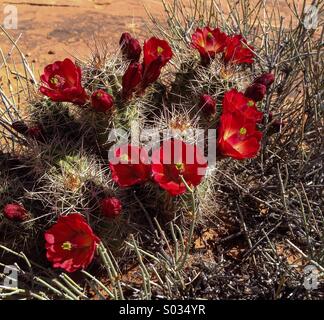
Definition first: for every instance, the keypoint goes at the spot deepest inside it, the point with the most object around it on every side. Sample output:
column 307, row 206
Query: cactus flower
column 256, row 91
column 207, row 105
column 237, row 51
column 102, row 101
column 71, row 243
column 110, row 207
column 266, row 79
column 235, row 101
column 238, row 137
column 176, row 159
column 130, row 47
column 61, row 82
column 132, row 79
column 208, row 42
column 156, row 49
column 130, row 165
column 14, row 211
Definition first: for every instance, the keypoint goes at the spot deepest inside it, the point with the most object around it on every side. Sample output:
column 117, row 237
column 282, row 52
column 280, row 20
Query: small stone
column 51, row 52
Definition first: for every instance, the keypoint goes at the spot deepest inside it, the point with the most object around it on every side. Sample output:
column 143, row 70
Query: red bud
column 131, row 79
column 130, row 47
column 256, row 92
column 266, row 79
column 15, row 211
column 207, row 105
column 110, row 207
column 102, row 101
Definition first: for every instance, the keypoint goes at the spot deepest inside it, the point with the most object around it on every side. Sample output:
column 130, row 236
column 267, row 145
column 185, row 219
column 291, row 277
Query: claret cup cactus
column 177, row 161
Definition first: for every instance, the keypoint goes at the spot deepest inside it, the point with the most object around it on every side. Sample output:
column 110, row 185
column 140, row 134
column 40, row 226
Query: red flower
column 237, row 51
column 266, row 79
column 130, row 165
column 130, row 47
column 156, row 49
column 70, row 243
column 151, row 73
column 175, row 159
column 256, row 91
column 102, row 101
column 15, row 212
column 110, row 207
column 207, row 105
column 157, row 53
column 138, row 77
column 208, row 42
column 235, row 101
column 62, row 82
column 132, row 79
column 238, row 137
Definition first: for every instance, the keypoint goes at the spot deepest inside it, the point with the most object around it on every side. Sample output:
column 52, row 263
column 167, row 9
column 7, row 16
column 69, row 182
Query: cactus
column 220, row 237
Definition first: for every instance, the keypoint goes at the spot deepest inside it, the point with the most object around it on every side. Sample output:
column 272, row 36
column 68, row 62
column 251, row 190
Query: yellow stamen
column 124, row 157
column 67, row 246
column 179, row 166
column 210, row 35
column 243, row 131
column 159, row 50
column 57, row 80
column 54, row 80
column 250, row 103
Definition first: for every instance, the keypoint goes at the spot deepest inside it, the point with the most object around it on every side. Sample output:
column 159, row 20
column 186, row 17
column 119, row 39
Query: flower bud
column 14, row 211
column 110, row 207
column 266, row 79
column 207, row 105
column 130, row 47
column 256, row 91
column 101, row 101
column 131, row 79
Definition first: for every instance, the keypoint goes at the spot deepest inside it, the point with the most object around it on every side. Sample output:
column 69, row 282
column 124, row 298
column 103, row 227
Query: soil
column 52, row 30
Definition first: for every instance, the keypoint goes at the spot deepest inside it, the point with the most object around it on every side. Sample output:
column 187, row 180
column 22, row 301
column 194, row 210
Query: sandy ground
column 55, row 29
